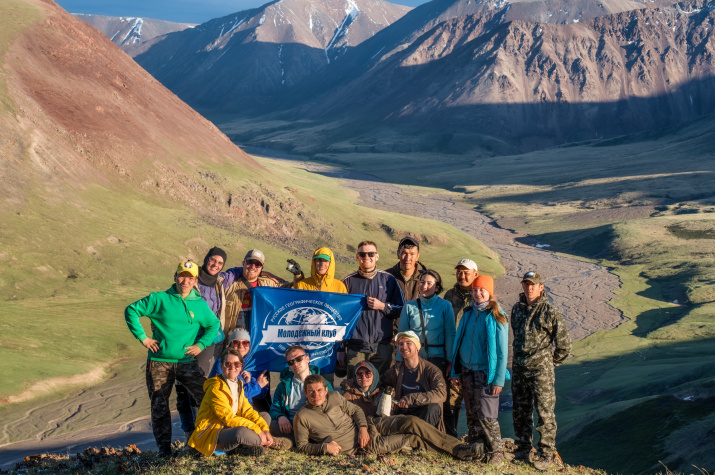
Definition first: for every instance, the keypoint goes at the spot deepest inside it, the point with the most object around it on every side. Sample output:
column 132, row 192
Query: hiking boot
column 405, row 449
column 496, row 459
column 281, row 443
column 165, row 453
column 549, row 461
column 249, row 451
column 473, row 451
column 524, row 454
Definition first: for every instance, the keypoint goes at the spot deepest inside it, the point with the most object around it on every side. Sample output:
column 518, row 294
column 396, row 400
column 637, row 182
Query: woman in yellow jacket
column 226, row 421
column 322, row 274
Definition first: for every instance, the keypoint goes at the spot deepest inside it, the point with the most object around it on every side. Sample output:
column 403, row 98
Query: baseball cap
column 255, row 255
column 409, row 241
column 468, row 263
column 533, row 278
column 322, row 256
column 188, row 266
column 411, row 335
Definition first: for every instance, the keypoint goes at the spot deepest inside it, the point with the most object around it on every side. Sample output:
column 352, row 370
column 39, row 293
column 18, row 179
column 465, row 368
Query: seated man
column 363, row 391
column 330, row 424
column 255, row 384
column 289, row 395
column 420, row 389
column 226, row 421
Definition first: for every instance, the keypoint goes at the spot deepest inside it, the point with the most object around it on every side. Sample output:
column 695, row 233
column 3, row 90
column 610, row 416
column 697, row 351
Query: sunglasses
column 241, row 343
column 367, row 254
column 233, row 365
column 295, row 360
column 253, row 264
column 364, row 375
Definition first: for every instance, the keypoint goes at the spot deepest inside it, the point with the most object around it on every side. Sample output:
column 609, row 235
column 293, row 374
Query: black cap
column 409, row 241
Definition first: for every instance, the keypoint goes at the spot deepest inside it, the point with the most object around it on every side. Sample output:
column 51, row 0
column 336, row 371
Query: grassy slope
column 73, row 264
column 643, row 205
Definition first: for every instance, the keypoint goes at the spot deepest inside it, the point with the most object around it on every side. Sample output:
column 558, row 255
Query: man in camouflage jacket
column 537, row 325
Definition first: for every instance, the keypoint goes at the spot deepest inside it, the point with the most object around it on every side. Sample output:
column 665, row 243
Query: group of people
column 411, row 361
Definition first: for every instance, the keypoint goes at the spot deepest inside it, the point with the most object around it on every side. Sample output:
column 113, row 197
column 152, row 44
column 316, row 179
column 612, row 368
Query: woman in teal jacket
column 432, row 319
column 479, row 359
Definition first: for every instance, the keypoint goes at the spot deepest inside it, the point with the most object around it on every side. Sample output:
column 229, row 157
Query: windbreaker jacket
column 216, row 413
column 439, row 331
column 536, row 328
column 374, row 326
column 279, row 407
column 176, row 322
column 326, row 283
column 496, row 342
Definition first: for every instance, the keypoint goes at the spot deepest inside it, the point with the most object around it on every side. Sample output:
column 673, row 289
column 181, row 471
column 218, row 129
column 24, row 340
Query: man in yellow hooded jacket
column 322, row 274
column 226, row 421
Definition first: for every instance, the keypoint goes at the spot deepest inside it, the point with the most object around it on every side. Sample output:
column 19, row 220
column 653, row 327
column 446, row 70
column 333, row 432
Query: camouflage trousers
column 534, row 389
column 160, row 377
column 482, row 411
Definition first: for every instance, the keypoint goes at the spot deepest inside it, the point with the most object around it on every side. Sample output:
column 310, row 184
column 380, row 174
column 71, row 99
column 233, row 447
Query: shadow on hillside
column 621, row 410
column 591, row 243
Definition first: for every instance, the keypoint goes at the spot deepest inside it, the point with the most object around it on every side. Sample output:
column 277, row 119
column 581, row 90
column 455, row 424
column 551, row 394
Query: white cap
column 468, row 263
column 238, row 333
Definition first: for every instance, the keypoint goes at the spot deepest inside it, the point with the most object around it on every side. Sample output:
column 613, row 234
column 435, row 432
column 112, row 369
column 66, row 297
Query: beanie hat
column 486, row 282
column 238, row 333
column 215, row 251
column 411, row 335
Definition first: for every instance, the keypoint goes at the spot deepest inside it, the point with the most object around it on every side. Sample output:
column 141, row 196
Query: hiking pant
column 482, row 411
column 275, row 430
column 455, row 406
column 386, row 444
column 430, row 413
column 186, row 407
column 382, row 359
column 233, row 437
column 160, row 377
column 534, row 389
column 429, row 438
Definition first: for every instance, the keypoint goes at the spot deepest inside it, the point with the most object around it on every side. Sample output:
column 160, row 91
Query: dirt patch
column 53, row 384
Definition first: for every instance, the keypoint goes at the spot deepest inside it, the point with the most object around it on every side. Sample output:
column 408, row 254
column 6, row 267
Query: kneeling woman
column 226, row 421
column 480, row 355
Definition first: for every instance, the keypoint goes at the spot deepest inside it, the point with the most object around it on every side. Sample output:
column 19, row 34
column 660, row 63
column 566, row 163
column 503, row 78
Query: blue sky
column 188, row 11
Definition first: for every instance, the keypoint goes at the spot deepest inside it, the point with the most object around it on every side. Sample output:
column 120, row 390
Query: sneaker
column 281, row 443
column 496, row 459
column 524, row 454
column 549, row 461
column 249, row 451
column 473, row 451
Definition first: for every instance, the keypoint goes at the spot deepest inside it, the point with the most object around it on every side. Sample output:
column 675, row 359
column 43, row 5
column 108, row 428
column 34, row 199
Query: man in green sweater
column 177, row 316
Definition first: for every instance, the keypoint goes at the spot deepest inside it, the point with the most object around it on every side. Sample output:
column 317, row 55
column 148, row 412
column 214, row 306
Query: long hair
column 496, row 310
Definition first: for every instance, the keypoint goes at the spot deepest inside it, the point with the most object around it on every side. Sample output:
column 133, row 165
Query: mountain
column 250, row 60
column 534, row 84
column 130, row 33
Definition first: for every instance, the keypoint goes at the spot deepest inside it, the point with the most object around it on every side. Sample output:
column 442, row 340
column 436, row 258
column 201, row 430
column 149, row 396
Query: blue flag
column 318, row 321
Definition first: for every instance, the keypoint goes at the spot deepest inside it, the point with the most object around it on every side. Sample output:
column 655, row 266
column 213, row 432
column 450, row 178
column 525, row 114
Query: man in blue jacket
column 372, row 335
column 289, row 395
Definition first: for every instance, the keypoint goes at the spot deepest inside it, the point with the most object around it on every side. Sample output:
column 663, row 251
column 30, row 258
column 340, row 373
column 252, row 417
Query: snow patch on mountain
column 135, row 34
column 351, row 12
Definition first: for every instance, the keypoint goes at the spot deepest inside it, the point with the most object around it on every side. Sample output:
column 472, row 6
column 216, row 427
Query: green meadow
column 75, row 257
